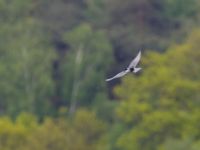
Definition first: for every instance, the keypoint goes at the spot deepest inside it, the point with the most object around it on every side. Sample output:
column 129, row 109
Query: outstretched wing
column 117, row 76
column 135, row 61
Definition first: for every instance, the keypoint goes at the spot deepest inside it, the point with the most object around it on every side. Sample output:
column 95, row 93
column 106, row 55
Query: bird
column 131, row 68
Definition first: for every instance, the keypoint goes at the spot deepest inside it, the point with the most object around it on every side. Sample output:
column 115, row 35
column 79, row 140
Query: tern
column 131, row 68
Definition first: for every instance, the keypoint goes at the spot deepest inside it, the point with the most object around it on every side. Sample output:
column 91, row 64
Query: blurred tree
column 14, row 135
column 164, row 102
column 180, row 144
column 95, row 13
column 25, row 62
column 61, row 16
column 142, row 23
column 85, row 66
column 15, row 10
column 83, row 132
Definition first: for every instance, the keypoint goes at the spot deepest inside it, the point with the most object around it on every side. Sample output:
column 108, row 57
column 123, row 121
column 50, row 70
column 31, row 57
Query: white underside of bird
column 131, row 68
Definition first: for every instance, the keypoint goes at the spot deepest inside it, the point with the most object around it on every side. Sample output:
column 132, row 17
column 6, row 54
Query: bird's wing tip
column 108, row 80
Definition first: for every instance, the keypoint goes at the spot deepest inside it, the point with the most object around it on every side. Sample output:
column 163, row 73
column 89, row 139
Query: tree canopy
column 162, row 103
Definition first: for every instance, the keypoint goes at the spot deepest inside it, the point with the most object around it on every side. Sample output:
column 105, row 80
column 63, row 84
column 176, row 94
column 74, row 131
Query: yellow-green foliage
column 164, row 102
column 14, row 135
column 83, row 132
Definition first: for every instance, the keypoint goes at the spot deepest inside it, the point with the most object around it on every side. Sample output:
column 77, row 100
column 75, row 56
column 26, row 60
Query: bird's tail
column 137, row 70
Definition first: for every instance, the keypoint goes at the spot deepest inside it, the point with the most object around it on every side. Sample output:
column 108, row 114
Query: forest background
column 56, row 54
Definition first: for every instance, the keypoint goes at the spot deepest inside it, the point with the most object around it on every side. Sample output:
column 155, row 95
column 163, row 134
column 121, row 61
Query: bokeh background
column 56, row 54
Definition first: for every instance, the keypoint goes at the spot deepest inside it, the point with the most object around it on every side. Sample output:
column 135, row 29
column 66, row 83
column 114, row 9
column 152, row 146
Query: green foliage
column 145, row 23
column 160, row 108
column 62, row 15
column 25, row 64
column 14, row 135
column 83, row 69
column 164, row 102
column 183, row 144
column 14, row 10
column 181, row 8
column 83, row 132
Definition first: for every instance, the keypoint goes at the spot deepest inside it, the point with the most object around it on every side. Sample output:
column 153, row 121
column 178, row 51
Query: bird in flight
column 131, row 68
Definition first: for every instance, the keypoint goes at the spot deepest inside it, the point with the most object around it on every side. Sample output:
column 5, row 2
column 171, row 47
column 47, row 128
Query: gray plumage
column 131, row 68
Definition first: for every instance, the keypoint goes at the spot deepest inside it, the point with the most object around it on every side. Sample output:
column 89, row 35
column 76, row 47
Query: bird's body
column 130, row 68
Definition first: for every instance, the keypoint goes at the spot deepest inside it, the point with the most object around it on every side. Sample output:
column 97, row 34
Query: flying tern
column 131, row 68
